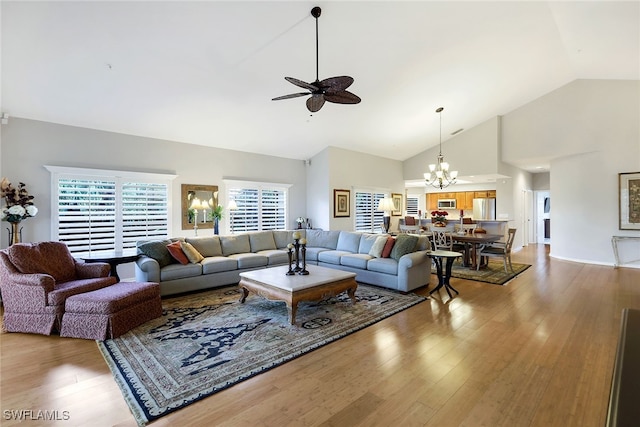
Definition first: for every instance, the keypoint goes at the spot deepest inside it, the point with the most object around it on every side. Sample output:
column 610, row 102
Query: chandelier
column 439, row 175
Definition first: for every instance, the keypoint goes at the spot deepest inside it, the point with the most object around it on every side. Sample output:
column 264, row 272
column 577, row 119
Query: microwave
column 447, row 204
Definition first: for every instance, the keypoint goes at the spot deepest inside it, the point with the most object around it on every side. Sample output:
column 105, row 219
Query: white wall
column 353, row 170
column 28, row 145
column 462, row 152
column 591, row 131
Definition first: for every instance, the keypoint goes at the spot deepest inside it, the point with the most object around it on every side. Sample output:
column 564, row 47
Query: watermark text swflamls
column 35, row 415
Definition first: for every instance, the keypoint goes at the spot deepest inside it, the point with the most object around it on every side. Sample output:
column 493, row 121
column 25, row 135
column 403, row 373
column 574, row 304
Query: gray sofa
column 226, row 256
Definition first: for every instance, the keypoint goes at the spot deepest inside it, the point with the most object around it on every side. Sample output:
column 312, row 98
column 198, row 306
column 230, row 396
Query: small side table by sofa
column 444, row 276
column 113, row 258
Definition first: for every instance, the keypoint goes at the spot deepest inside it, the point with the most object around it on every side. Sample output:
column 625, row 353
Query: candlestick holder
column 303, row 271
column 290, row 254
column 296, row 246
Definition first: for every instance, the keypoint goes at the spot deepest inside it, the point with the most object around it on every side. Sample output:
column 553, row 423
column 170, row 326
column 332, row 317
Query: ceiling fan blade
column 300, row 83
column 336, row 84
column 293, row 95
column 315, row 103
column 343, row 97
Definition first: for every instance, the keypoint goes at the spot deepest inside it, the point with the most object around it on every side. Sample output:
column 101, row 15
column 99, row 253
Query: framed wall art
column 629, row 200
column 397, row 204
column 341, row 203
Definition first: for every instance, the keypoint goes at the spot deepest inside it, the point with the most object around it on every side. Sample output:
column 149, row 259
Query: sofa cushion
column 405, row 243
column 383, row 265
column 366, row 242
column 249, row 260
column 217, row 264
column 191, row 252
column 235, row 244
column 322, row 239
column 378, row 246
column 388, row 246
column 262, row 241
column 179, row 271
column 51, row 258
column 355, row 260
column 177, row 253
column 313, row 252
column 206, row 245
column 332, row 257
column 275, row 256
column 424, row 244
column 156, row 249
column 283, row 237
column 349, row 241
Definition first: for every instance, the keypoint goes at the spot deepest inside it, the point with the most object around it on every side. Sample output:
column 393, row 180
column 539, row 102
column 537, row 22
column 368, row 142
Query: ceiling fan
column 332, row 89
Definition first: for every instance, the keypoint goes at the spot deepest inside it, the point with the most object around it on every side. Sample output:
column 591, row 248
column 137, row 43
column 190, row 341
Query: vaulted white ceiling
column 205, row 72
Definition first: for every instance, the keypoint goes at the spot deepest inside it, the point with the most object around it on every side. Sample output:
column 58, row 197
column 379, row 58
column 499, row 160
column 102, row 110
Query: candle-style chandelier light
column 439, row 175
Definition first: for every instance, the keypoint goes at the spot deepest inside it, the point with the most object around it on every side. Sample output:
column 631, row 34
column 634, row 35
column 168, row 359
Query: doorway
column 543, row 217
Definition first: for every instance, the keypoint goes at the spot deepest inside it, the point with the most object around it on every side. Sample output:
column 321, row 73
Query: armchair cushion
column 52, row 258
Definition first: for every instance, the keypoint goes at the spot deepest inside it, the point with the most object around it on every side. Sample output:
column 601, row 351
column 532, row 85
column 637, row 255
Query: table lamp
column 232, row 206
column 386, row 205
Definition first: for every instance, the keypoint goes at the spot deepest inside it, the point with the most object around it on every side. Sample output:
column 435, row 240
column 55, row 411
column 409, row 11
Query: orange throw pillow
column 177, row 253
column 386, row 252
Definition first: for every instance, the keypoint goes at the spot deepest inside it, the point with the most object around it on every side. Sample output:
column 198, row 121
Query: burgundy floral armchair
column 37, row 278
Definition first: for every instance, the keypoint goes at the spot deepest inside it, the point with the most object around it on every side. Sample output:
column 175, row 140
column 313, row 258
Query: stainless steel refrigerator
column 484, row 209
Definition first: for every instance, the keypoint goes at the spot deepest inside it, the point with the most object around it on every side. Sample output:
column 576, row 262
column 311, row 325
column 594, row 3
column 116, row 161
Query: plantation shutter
column 144, row 212
column 261, row 206
column 367, row 216
column 99, row 211
column 412, row 205
column 87, row 214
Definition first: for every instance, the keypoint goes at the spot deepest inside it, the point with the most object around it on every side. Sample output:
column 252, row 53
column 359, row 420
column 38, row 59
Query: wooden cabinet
column 432, row 202
column 468, row 197
column 464, row 199
column 484, row 194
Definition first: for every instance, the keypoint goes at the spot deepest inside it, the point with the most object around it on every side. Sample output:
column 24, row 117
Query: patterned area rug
column 493, row 273
column 208, row 341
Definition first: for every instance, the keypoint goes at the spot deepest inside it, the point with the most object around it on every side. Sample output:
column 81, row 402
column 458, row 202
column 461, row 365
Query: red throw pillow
column 177, row 253
column 386, row 252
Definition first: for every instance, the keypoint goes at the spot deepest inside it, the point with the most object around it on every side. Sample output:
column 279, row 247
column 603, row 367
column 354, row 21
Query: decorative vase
column 216, row 230
column 15, row 233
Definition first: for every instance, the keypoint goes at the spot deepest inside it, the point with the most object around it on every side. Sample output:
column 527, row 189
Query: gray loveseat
column 226, row 256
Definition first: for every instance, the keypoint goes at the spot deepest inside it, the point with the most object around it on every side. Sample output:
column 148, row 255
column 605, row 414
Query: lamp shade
column 386, row 204
column 232, row 205
column 195, row 204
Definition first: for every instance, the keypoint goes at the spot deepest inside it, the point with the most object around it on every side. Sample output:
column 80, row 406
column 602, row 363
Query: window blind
column 93, row 213
column 260, row 207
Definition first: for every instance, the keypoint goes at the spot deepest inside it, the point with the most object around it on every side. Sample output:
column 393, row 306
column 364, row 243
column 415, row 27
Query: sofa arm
column 147, row 269
column 412, row 259
column 91, row 270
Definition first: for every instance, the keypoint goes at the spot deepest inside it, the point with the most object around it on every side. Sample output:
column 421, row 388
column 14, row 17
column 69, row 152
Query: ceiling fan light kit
column 332, row 89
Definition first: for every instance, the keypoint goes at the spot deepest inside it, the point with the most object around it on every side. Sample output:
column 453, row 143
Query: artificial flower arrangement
column 19, row 203
column 439, row 216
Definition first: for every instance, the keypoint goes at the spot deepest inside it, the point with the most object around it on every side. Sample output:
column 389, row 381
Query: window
column 368, row 218
column 412, row 205
column 261, row 206
column 98, row 210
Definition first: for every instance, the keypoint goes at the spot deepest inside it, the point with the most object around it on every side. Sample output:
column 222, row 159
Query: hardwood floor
column 538, row 351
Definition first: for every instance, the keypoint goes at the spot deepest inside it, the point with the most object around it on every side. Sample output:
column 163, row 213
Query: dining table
column 471, row 244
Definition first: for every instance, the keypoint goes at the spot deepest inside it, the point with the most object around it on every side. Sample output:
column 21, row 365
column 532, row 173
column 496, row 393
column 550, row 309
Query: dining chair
column 409, row 220
column 499, row 250
column 442, row 240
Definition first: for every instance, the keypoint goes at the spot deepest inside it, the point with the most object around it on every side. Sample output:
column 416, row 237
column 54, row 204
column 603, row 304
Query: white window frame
column 414, row 201
column 232, row 184
column 117, row 176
